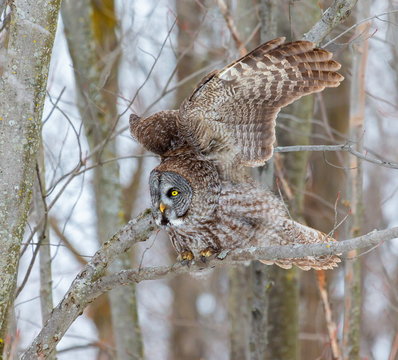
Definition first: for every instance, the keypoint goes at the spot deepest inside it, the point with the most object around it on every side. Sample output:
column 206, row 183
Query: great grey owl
column 200, row 192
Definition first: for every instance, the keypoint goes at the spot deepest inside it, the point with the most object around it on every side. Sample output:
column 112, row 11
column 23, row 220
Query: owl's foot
column 186, row 257
column 206, row 253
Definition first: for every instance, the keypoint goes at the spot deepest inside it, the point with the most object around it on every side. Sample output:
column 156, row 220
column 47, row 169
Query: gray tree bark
column 22, row 90
column 239, row 312
column 337, row 13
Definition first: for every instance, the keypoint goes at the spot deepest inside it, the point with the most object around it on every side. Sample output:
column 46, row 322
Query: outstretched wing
column 231, row 114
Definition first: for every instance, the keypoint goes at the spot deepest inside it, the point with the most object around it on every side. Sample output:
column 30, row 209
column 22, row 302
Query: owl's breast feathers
column 246, row 216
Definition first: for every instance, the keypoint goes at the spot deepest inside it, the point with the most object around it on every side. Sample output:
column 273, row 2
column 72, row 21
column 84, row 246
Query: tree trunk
column 90, row 30
column 353, row 269
column 22, row 90
column 283, row 293
column 239, row 312
column 249, row 286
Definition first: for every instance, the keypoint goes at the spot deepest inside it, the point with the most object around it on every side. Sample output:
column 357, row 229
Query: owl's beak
column 162, row 207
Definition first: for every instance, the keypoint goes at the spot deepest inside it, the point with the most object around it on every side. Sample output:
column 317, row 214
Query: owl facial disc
column 171, row 197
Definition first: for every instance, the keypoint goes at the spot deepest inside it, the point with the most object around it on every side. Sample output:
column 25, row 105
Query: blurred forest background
column 115, row 57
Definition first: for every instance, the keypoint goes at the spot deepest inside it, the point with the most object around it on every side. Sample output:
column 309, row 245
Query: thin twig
column 280, row 149
column 330, row 323
column 231, row 26
column 115, row 123
column 343, row 147
column 357, row 24
column 55, row 226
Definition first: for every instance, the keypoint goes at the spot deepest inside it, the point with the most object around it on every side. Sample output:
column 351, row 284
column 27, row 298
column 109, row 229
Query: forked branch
column 91, row 282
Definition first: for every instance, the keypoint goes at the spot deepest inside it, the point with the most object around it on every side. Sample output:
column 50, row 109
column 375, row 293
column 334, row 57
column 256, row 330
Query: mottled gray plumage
column 199, row 192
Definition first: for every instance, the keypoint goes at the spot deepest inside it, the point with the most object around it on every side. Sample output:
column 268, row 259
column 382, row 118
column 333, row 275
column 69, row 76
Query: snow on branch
column 91, row 282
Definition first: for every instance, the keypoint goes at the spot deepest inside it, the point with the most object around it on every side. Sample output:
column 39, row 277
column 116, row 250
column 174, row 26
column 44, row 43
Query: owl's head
column 171, row 196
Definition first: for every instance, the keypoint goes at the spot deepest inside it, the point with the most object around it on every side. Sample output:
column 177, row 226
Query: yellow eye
column 174, row 193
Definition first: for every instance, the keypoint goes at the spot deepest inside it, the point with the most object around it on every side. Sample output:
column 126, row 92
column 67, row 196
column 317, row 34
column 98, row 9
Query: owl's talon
column 206, row 253
column 185, row 257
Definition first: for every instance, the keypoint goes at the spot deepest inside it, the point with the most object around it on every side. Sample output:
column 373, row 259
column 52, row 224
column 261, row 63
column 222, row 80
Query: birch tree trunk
column 90, row 29
column 22, row 91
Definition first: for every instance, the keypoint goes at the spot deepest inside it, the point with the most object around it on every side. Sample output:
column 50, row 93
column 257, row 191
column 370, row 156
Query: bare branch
column 343, row 147
column 360, row 23
column 330, row 323
column 238, row 256
column 231, row 26
column 334, row 15
column 78, row 295
column 90, row 282
column 56, row 228
column 316, row 148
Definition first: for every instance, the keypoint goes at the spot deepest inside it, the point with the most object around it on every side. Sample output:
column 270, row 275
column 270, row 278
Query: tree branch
column 238, row 256
column 333, row 16
column 78, row 295
column 342, row 147
column 231, row 26
column 91, row 282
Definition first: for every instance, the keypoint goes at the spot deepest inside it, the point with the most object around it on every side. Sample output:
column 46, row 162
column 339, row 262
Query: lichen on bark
column 22, row 90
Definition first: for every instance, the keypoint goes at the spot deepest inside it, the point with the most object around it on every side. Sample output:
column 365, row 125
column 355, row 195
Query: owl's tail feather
column 327, row 262
column 306, row 235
